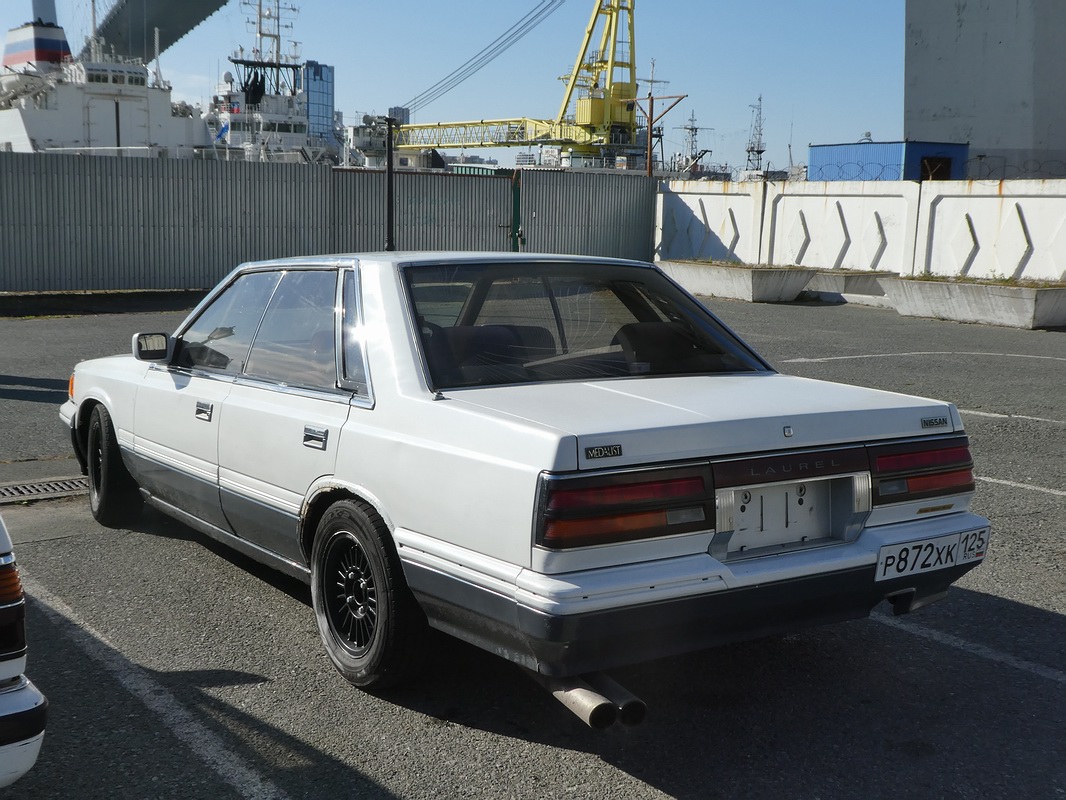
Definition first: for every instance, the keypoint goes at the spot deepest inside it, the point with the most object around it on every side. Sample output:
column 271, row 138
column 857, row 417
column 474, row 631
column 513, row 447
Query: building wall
column 319, row 85
column 989, row 72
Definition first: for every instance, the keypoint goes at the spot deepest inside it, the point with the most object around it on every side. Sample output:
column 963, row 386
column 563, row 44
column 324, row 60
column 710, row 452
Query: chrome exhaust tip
column 595, row 699
column 631, row 709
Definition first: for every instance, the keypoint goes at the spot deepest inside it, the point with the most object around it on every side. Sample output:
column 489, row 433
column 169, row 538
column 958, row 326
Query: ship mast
column 271, row 18
column 95, row 50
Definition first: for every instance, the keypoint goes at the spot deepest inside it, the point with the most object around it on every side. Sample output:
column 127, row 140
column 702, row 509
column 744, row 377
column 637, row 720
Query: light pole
column 390, row 200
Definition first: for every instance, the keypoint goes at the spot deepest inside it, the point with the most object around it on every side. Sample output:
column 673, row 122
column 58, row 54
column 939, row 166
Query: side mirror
column 153, row 347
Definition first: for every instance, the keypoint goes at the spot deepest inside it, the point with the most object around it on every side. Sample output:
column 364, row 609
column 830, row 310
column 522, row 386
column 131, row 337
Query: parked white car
column 567, row 461
column 23, row 709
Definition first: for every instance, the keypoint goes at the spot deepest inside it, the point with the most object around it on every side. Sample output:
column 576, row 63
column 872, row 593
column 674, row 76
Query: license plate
column 927, row 555
column 780, row 514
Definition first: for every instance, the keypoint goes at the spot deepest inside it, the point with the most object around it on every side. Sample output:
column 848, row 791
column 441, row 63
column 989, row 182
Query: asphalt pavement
column 178, row 669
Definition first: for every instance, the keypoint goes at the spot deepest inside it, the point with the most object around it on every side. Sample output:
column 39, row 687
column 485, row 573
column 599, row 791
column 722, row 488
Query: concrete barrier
column 740, row 282
column 991, row 304
column 1003, row 230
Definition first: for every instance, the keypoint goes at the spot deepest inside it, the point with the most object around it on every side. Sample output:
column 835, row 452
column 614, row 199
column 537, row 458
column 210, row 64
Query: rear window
column 490, row 324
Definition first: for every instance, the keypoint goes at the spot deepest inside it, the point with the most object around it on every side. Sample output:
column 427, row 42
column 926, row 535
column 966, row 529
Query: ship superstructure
column 264, row 106
column 100, row 105
column 270, row 107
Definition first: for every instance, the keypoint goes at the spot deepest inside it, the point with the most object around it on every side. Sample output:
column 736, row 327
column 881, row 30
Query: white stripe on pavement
column 994, row 415
column 230, row 767
column 918, row 353
column 1029, row 486
column 974, row 649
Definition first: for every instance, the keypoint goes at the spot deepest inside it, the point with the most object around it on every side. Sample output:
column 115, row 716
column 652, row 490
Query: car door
column 282, row 417
column 179, row 404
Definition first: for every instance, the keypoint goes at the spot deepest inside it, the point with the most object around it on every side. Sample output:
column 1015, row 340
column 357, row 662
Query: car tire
column 114, row 498
column 370, row 623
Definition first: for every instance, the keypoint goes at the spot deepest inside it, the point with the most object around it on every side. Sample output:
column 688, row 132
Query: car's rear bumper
column 574, row 623
column 23, row 714
column 574, row 644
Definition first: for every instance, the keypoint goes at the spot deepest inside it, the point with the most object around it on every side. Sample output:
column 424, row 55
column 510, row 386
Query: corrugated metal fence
column 601, row 214
column 70, row 223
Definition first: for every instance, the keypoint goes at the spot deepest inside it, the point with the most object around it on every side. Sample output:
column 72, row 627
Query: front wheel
column 369, row 621
column 114, row 498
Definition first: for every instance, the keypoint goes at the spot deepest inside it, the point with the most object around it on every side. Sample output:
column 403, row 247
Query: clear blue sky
column 827, row 70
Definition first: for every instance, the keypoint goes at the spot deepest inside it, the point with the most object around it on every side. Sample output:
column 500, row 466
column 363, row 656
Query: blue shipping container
column 887, row 161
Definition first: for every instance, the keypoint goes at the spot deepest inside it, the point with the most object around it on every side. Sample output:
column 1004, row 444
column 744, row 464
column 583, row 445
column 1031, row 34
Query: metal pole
column 651, row 128
column 390, row 211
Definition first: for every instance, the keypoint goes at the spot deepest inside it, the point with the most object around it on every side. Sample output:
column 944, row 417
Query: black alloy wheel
column 350, row 592
column 370, row 623
column 114, row 498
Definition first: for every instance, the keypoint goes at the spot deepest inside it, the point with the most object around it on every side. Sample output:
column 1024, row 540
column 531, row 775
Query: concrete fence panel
column 1007, row 229
column 867, row 225
column 709, row 221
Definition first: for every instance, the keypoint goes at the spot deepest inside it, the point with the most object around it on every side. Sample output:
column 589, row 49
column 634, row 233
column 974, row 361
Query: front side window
column 296, row 342
column 491, row 324
column 219, row 338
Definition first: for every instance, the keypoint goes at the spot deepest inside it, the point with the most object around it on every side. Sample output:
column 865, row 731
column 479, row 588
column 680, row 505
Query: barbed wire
column 996, row 168
column 981, row 168
column 855, row 171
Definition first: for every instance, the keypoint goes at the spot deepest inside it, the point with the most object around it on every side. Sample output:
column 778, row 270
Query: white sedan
column 567, row 461
column 23, row 709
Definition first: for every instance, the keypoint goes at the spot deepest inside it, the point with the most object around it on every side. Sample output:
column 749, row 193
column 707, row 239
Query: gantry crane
column 598, row 115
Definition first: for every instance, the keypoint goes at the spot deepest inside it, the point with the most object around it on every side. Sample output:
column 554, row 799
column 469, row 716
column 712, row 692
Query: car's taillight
column 920, row 470
column 10, row 583
column 624, row 506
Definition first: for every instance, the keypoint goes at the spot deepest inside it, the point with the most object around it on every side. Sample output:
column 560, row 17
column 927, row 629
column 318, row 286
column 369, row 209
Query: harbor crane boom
column 598, row 114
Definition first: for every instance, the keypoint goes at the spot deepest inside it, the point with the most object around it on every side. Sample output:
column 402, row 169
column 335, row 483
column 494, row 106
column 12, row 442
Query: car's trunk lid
column 625, row 422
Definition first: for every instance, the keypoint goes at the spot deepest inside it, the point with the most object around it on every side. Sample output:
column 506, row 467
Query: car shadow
column 781, row 716
column 868, row 707
column 83, row 738
column 152, row 522
column 52, row 391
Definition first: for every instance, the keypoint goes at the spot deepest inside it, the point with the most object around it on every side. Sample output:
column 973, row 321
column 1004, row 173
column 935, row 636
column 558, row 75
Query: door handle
column 203, row 410
column 315, row 437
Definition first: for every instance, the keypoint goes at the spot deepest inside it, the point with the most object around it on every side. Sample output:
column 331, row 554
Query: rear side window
column 545, row 322
column 218, row 340
column 296, row 342
column 355, row 374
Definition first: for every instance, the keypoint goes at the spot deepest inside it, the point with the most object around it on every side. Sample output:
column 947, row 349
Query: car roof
column 399, row 259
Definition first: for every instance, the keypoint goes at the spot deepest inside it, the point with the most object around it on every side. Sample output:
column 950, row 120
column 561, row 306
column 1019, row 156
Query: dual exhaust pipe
column 596, row 699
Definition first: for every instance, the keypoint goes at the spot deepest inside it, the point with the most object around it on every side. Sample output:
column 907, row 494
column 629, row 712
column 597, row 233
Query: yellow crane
column 598, row 115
